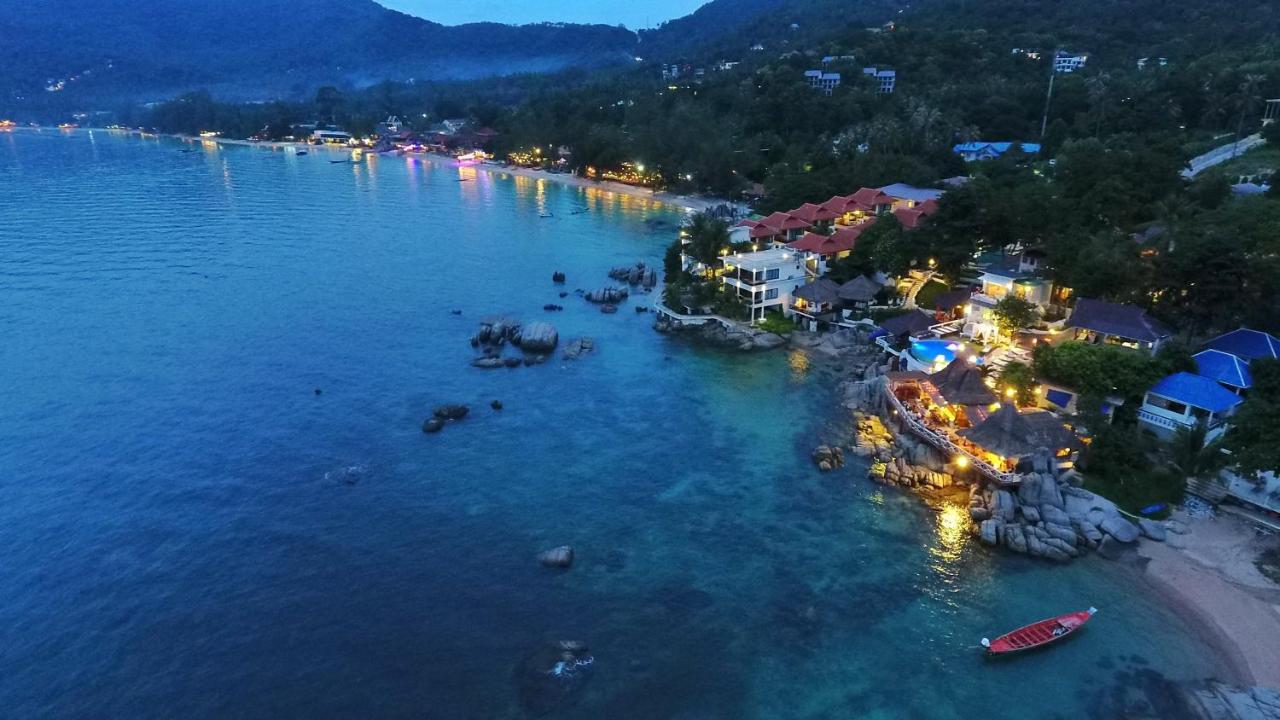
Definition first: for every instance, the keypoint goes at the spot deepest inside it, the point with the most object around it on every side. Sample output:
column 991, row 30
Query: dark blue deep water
column 175, row 540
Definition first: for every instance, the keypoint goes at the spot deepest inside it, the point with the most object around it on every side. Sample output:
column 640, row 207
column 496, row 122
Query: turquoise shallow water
column 173, row 547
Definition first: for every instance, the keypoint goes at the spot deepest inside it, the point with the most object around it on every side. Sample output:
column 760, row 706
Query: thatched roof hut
column 1012, row 434
column 961, row 384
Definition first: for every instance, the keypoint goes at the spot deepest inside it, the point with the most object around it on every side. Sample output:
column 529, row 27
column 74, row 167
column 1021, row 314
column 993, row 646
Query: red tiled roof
column 909, row 217
column 846, row 238
column 842, row 240
column 795, row 223
column 869, row 198
column 811, row 213
column 928, row 207
column 763, row 231
column 747, row 223
column 814, row 243
column 839, row 204
column 775, row 220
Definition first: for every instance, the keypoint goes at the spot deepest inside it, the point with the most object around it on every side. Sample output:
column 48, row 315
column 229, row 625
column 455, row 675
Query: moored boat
column 1038, row 634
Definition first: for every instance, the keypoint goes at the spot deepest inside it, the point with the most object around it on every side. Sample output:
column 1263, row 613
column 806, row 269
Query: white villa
column 1018, row 277
column 764, row 279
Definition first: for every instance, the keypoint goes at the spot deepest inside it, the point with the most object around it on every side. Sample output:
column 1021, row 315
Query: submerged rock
column 432, row 425
column 557, row 277
column 559, row 557
column 451, row 412
column 496, row 404
column 578, row 348
column 487, row 362
column 552, row 677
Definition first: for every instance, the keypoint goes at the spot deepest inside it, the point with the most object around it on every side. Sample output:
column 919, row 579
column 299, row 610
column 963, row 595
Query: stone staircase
column 917, row 284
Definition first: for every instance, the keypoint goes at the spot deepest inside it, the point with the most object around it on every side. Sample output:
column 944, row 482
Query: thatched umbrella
column 1009, row 433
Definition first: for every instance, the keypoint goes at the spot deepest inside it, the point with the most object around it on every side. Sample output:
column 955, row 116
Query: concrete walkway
column 1221, row 154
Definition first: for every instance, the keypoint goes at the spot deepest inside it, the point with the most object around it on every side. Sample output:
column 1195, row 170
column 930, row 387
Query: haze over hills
column 87, row 54
column 264, row 48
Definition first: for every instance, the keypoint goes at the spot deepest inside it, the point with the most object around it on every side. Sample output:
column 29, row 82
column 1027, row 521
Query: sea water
column 216, row 500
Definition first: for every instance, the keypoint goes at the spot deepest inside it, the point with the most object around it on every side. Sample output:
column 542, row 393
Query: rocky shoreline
column 740, row 337
column 1047, row 514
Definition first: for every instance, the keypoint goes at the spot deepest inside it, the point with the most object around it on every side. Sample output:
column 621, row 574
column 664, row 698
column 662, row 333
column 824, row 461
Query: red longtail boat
column 1038, row 634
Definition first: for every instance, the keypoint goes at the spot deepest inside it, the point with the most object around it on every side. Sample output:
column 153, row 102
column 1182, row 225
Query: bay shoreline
column 689, row 203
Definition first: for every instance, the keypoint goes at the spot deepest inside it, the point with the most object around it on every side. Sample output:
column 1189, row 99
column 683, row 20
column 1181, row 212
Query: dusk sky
column 632, row 13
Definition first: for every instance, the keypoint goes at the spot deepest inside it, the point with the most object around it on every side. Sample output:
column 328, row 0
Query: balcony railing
column 945, row 444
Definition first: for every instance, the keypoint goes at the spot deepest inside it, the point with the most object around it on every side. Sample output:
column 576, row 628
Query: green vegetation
column 1022, row 379
column 1012, row 314
column 1255, row 430
column 929, row 294
column 1119, row 466
column 775, row 323
column 1099, row 371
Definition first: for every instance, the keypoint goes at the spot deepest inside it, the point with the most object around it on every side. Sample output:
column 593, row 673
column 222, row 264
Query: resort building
column 978, row 151
column 873, row 201
column 1226, row 358
column 954, row 411
column 1012, row 276
column 886, row 79
column 910, row 196
column 818, row 217
column 913, row 217
column 827, row 82
column 816, row 302
column 1102, row 322
column 858, row 294
column 1065, row 62
column 821, row 250
column 764, row 280
column 1184, row 399
column 330, row 137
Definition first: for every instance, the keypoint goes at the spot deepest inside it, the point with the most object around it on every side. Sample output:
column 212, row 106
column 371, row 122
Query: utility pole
column 1053, row 71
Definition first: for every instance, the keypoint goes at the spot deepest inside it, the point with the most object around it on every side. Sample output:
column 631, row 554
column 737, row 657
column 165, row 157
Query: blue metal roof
column 1224, row 367
column 1247, row 344
column 995, row 148
column 903, row 191
column 1197, row 391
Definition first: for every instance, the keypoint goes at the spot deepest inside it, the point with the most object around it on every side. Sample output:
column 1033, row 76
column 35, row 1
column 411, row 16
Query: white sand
column 1208, row 577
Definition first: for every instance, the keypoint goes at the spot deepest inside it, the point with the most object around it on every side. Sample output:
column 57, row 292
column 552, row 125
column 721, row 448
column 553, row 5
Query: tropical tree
column 1256, row 425
column 1012, row 313
column 708, row 239
column 1192, row 454
column 1019, row 378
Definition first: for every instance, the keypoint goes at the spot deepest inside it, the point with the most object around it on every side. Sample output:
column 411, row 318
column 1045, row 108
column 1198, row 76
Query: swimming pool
column 928, row 351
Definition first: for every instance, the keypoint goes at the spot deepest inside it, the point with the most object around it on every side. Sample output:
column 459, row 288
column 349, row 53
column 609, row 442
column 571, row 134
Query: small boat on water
column 1038, row 634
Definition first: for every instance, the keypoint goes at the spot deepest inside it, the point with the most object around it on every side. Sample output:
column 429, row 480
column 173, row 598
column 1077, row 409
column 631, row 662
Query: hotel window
column 771, row 293
column 772, row 274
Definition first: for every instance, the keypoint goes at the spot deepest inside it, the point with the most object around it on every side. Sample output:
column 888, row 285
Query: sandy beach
column 1208, row 578
column 690, row 203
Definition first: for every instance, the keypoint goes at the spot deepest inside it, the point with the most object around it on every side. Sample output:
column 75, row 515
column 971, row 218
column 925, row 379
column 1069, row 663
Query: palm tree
column 1247, row 98
column 708, row 239
column 1192, row 454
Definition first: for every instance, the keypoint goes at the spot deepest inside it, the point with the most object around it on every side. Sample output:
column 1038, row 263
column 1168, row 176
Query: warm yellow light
column 994, row 406
column 1010, row 392
column 962, row 461
column 932, row 262
column 967, row 309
